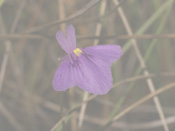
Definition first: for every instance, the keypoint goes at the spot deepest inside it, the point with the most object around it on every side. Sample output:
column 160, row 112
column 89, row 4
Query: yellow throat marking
column 77, row 52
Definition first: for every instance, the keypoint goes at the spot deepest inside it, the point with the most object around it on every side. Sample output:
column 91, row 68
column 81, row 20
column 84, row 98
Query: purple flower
column 89, row 68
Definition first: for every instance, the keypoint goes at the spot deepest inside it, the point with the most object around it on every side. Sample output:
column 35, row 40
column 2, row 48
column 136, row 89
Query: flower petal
column 70, row 32
column 63, row 78
column 63, row 42
column 107, row 53
column 68, row 42
column 97, row 77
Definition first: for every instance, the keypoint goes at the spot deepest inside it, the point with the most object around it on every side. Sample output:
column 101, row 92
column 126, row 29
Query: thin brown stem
column 153, row 94
column 71, row 17
column 79, row 37
column 143, row 65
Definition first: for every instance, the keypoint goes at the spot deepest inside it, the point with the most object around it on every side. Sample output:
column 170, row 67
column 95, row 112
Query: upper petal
column 107, row 53
column 70, row 32
column 63, row 42
column 68, row 42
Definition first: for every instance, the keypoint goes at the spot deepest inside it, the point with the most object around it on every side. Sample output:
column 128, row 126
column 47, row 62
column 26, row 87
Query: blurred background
column 30, row 55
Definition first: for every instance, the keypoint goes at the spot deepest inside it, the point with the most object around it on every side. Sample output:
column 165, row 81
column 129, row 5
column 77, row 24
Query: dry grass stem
column 143, row 65
column 145, row 36
column 71, row 17
column 10, row 117
column 8, row 43
column 125, row 111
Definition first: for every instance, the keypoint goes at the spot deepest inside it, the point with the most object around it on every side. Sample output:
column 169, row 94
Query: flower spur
column 89, row 68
